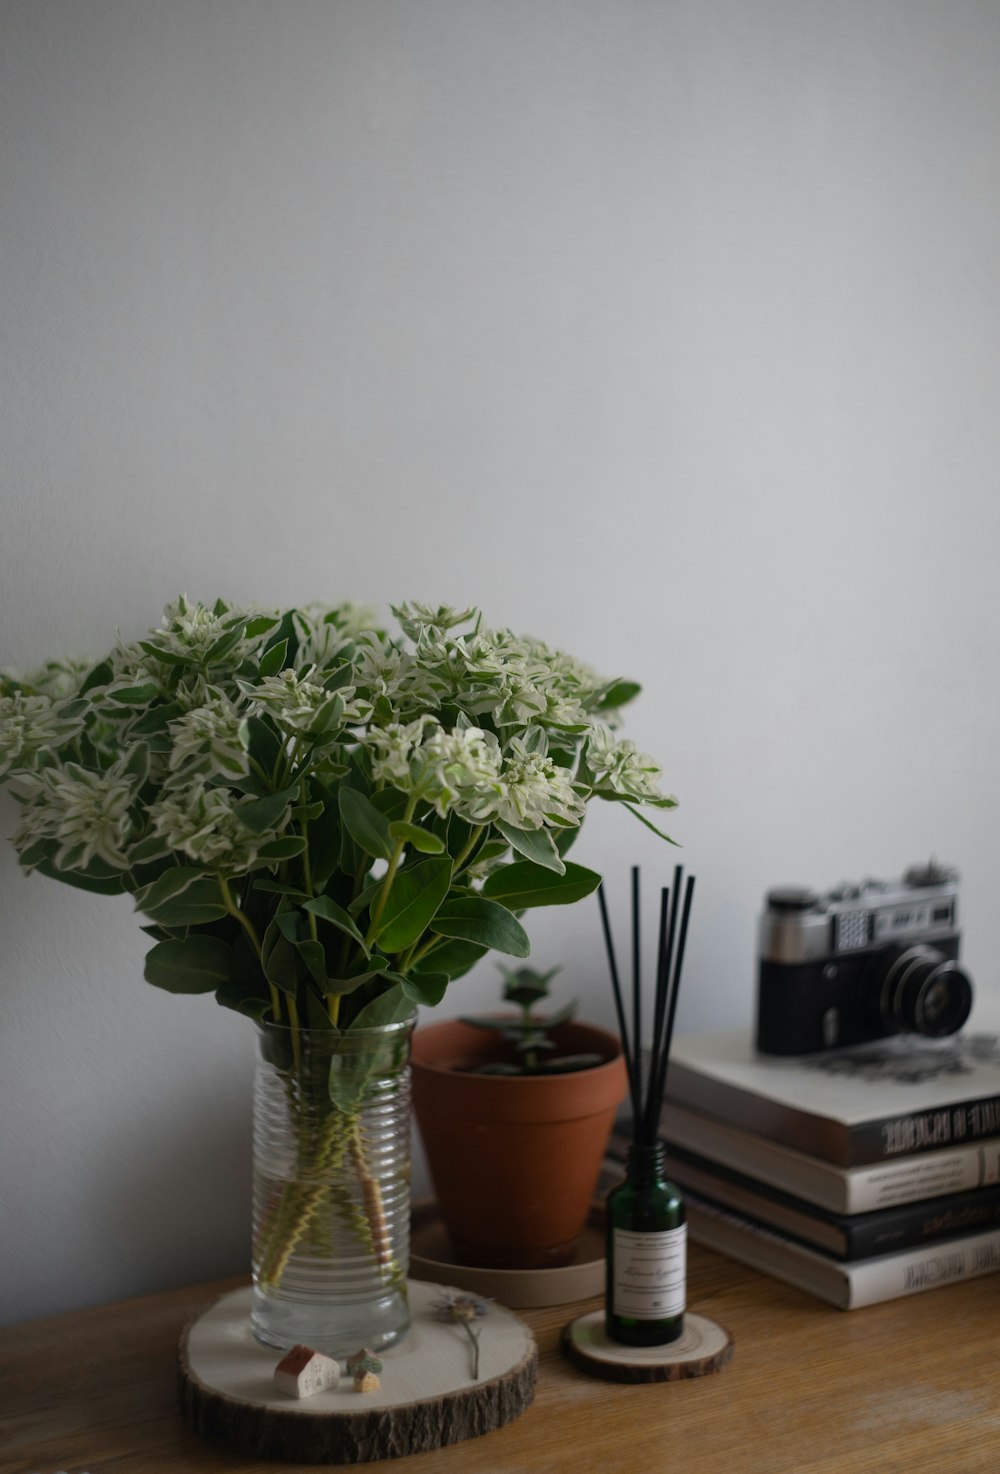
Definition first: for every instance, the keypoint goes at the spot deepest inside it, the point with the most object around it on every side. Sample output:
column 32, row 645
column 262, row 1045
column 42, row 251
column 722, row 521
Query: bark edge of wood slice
column 226, row 1392
column 704, row 1347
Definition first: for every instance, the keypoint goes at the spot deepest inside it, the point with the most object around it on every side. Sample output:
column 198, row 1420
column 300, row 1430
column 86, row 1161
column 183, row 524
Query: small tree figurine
column 527, row 1034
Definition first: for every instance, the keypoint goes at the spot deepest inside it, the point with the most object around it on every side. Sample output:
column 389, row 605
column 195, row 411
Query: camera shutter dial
column 791, row 898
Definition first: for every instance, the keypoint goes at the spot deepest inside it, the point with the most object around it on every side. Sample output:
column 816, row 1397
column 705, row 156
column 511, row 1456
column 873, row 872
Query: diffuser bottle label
column 650, row 1273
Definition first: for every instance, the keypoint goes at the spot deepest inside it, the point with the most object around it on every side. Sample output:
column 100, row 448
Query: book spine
column 881, row 1139
column 891, row 1137
column 848, row 1286
column 837, row 1190
column 891, row 1230
column 922, row 1224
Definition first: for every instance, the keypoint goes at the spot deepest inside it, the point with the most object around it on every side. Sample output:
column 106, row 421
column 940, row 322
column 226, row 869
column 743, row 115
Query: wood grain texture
column 704, row 1347
column 426, row 1400
column 909, row 1385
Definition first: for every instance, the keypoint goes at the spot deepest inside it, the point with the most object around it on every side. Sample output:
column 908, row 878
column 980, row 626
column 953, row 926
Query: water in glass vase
column 646, row 1253
column 331, row 1188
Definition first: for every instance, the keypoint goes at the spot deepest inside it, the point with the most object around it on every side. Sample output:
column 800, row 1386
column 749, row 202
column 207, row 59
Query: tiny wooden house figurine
column 366, row 1369
column 302, row 1372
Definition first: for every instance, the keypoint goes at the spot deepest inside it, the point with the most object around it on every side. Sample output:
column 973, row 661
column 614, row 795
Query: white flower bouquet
column 322, row 823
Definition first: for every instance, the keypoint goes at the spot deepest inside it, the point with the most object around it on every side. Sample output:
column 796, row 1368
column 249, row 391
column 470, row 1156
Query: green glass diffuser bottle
column 646, row 1253
column 645, row 1289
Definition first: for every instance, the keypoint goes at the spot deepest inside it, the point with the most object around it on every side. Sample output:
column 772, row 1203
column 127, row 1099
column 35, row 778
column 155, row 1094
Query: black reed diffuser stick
column 646, row 1231
column 633, row 1083
column 647, row 1087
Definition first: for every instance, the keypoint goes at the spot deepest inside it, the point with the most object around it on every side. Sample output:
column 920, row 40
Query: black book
column 847, row 1237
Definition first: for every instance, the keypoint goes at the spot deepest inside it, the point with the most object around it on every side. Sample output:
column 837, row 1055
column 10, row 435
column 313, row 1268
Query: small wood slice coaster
column 703, row 1347
column 427, row 1398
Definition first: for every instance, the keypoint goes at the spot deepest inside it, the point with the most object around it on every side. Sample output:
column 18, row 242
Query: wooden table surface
column 902, row 1388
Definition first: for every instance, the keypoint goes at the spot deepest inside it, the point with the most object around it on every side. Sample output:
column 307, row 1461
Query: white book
column 876, row 1102
column 849, row 1286
column 837, row 1189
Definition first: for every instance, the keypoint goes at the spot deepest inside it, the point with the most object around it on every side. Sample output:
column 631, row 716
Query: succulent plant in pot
column 515, row 1112
column 323, row 824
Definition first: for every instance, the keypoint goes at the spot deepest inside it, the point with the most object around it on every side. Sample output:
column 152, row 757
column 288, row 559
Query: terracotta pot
column 514, row 1159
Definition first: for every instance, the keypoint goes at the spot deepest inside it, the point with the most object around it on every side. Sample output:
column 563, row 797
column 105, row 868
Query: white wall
column 667, row 331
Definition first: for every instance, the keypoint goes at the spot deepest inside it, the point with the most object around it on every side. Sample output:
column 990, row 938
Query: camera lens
column 924, row 992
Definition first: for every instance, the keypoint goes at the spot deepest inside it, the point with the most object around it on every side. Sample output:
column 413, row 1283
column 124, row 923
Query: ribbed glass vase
column 331, row 1187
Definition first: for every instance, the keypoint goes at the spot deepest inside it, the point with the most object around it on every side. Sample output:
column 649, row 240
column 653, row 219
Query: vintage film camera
column 861, row 962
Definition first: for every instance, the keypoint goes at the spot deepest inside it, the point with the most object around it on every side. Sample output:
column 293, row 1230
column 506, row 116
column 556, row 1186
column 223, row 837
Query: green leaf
column 282, row 964
column 200, row 964
column 168, row 889
column 273, row 660
column 201, row 903
column 414, row 897
column 156, row 720
column 451, row 958
column 138, row 763
column 279, row 888
column 138, row 694
column 536, row 845
column 347, row 1081
column 475, row 919
column 261, row 814
column 390, row 1007
column 260, row 625
column 617, row 693
column 285, row 848
column 265, row 744
column 224, row 645
column 373, row 969
column 649, row 825
column 426, row 988
column 99, row 885
column 328, row 910
column 324, row 841
column 367, row 827
column 419, row 839
column 523, row 884
column 166, row 657
column 101, row 675
column 329, row 717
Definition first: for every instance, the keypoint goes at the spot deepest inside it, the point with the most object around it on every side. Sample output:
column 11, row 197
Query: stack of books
column 858, row 1176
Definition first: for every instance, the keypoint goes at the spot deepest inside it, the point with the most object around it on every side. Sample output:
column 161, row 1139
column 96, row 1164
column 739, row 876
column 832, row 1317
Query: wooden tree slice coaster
column 703, row 1347
column 427, row 1398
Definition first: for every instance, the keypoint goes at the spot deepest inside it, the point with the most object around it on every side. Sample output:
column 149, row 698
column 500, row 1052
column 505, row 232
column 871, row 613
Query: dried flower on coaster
column 302, row 1372
column 464, row 1311
column 366, row 1368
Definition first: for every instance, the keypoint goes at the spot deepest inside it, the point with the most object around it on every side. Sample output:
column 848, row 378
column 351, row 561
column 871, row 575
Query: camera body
column 861, row 962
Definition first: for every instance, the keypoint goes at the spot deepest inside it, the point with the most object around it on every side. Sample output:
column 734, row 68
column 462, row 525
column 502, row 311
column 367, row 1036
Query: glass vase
column 331, row 1187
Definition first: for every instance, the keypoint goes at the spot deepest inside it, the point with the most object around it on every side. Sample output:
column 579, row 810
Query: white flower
column 393, row 747
column 414, row 618
column 295, row 701
column 198, row 635
column 56, row 678
column 444, row 768
column 31, row 727
column 615, row 764
column 532, row 792
column 454, row 768
column 86, row 812
column 210, row 739
column 324, row 633
column 204, row 824
column 382, row 669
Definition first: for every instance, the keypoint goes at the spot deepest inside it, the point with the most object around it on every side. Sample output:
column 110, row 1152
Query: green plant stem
column 460, row 859
column 390, row 875
column 235, row 911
